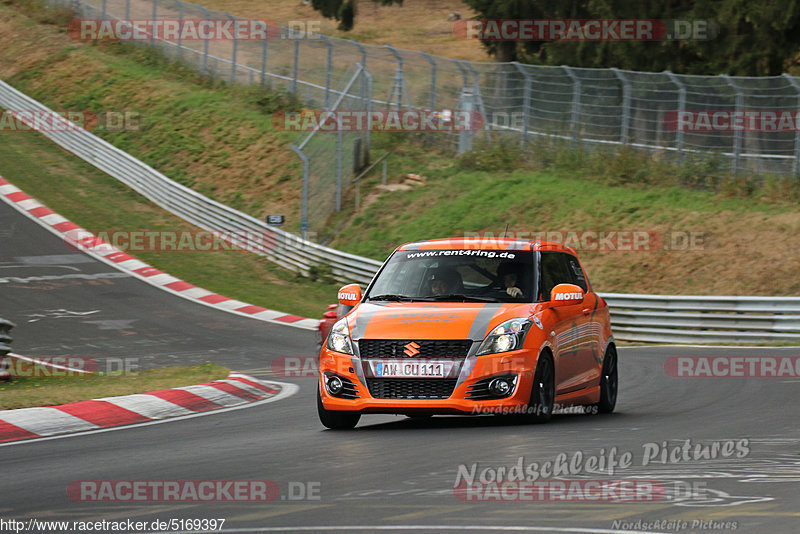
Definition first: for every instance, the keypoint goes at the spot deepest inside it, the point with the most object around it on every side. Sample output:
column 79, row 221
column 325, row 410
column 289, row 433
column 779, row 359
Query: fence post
column 479, row 101
column 233, row 56
column 155, row 15
column 103, row 15
column 366, row 97
column 304, row 198
column 399, row 83
column 264, row 59
column 427, row 56
column 296, row 66
column 339, row 142
column 205, row 42
column 466, row 104
column 180, row 27
column 328, row 71
column 626, row 105
column 737, row 134
column 526, row 107
column 796, row 162
column 576, row 100
column 5, row 337
column 127, row 10
column 681, row 106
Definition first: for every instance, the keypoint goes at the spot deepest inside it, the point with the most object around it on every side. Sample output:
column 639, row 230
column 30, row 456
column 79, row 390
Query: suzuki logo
column 412, row 349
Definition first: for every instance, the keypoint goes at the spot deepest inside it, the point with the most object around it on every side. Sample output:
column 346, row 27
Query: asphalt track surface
column 390, row 473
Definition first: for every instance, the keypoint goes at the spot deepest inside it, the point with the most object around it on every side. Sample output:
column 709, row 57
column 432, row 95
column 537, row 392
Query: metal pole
column 576, row 100
column 304, row 200
column 526, row 105
column 233, row 57
column 339, row 142
column 180, row 27
column 104, row 9
column 433, row 79
column 385, row 169
column 681, row 106
column 367, row 77
column 478, row 97
column 295, row 70
column 264, row 60
column 796, row 162
column 328, row 71
column 737, row 133
column 155, row 15
column 399, row 81
column 626, row 105
column 127, row 10
column 205, row 43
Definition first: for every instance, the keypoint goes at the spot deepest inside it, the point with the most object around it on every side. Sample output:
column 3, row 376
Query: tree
column 344, row 10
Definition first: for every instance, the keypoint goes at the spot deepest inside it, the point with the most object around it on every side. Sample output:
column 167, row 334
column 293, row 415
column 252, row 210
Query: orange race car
column 469, row 326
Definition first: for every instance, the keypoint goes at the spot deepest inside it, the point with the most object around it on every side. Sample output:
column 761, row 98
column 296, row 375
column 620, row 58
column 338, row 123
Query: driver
column 444, row 281
column 508, row 274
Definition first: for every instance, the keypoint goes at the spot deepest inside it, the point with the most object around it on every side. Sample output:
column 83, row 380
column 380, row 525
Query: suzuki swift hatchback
column 469, row 326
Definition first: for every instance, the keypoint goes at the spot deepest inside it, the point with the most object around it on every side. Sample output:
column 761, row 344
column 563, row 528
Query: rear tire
column 336, row 420
column 543, row 391
column 609, row 382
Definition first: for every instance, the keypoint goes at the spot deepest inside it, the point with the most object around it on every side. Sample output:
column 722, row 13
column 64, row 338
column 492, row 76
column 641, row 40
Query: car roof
column 485, row 243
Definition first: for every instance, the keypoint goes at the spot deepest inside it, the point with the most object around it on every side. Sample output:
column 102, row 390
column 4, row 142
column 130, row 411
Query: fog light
column 500, row 387
column 334, row 385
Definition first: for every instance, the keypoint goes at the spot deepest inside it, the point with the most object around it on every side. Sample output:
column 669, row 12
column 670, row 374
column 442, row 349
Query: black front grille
column 411, row 388
column 395, row 348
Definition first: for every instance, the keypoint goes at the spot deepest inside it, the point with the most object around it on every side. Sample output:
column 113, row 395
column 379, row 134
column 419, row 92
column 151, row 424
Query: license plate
column 405, row 369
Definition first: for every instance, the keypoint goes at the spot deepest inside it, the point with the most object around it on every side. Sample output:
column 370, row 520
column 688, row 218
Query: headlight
column 339, row 338
column 505, row 337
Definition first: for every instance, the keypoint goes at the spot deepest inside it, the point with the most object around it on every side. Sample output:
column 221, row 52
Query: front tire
column 336, row 420
column 609, row 382
column 543, row 391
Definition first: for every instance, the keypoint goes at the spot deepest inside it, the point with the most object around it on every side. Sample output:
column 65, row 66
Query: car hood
column 429, row 320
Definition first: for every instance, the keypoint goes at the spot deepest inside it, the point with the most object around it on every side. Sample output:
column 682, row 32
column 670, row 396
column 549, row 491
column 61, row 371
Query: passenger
column 445, row 281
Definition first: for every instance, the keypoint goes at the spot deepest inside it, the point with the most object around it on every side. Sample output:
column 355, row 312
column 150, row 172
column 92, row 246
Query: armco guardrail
column 649, row 318
column 283, row 248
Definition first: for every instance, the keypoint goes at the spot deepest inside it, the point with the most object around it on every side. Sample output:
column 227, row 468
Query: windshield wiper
column 389, row 296
column 470, row 298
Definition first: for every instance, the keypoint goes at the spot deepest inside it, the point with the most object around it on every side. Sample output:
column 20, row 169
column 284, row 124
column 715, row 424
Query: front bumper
column 521, row 363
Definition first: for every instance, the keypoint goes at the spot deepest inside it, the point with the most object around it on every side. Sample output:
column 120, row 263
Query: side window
column 553, row 273
column 575, row 271
column 560, row 268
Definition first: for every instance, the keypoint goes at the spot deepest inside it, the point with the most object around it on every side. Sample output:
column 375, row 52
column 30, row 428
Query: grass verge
column 28, row 391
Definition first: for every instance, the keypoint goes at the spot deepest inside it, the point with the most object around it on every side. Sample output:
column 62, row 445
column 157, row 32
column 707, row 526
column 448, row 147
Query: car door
column 589, row 328
column 569, row 324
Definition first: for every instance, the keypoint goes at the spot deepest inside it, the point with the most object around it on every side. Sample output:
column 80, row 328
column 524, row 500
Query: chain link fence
column 672, row 115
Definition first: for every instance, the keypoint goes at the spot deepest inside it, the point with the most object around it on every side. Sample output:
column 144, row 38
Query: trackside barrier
column 647, row 318
column 5, row 348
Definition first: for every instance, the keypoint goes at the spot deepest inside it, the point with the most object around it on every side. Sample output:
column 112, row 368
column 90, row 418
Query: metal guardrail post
column 5, row 336
column 626, row 105
column 304, row 199
column 681, row 106
column 430, row 60
column 737, row 134
column 796, row 162
column 526, row 103
column 576, row 100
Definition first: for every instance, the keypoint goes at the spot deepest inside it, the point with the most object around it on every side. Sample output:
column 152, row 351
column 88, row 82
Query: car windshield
column 456, row 275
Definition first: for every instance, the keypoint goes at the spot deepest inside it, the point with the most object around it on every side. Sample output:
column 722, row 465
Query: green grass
column 24, row 392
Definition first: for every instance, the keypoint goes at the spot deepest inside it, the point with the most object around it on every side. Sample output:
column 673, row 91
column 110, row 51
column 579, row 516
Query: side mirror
column 330, row 315
column 350, row 295
column 566, row 295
